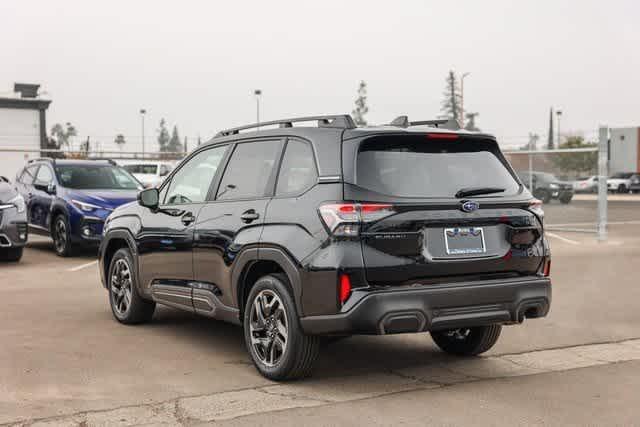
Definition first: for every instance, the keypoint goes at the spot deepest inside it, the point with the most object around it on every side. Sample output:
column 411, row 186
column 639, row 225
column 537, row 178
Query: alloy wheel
column 121, row 286
column 268, row 327
column 60, row 236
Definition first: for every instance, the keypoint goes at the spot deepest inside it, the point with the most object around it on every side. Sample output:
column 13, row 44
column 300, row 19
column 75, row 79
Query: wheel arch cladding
column 118, row 240
column 269, row 261
column 57, row 209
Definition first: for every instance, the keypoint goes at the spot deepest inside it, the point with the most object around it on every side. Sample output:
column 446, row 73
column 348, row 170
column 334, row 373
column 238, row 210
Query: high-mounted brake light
column 442, row 136
column 345, row 288
column 344, row 219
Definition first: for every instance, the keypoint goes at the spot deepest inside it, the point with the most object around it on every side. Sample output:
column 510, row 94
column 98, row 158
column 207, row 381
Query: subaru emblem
column 470, row 206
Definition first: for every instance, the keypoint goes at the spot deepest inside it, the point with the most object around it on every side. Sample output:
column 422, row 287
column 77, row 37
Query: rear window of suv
column 417, row 166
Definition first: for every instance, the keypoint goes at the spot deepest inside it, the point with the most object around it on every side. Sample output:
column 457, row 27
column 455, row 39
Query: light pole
column 142, row 113
column 461, row 121
column 258, row 94
column 559, row 114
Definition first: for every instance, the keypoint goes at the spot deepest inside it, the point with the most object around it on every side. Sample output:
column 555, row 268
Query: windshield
column 142, row 169
column 414, row 166
column 103, row 177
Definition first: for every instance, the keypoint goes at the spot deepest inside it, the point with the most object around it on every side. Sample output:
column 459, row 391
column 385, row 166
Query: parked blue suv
column 69, row 200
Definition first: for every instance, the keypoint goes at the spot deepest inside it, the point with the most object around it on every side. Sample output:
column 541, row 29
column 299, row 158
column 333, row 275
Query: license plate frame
column 463, row 235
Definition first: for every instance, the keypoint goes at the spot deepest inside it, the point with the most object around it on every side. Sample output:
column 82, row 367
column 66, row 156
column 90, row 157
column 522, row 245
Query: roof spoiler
column 403, row 122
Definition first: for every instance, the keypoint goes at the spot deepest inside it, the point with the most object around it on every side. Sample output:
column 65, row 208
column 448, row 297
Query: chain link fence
column 572, row 183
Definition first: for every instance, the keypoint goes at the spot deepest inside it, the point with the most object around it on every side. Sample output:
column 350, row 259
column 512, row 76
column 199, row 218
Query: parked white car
column 620, row 182
column 149, row 173
column 586, row 185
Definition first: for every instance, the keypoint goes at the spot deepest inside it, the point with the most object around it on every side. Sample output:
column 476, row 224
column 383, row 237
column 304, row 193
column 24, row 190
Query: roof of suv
column 346, row 129
column 72, row 162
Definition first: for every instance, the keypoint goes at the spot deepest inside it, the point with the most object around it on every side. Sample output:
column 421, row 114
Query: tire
column 61, row 235
column 127, row 305
column 542, row 195
column 11, row 254
column 566, row 199
column 275, row 341
column 467, row 341
column 622, row 189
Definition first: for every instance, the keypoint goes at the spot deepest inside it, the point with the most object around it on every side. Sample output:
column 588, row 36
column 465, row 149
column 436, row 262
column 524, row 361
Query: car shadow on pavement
column 357, row 355
column 47, row 246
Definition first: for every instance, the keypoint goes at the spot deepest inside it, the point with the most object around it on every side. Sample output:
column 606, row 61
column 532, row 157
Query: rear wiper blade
column 476, row 191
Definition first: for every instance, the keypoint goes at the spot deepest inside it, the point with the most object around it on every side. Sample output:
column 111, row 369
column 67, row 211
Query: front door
column 233, row 220
column 165, row 240
column 41, row 197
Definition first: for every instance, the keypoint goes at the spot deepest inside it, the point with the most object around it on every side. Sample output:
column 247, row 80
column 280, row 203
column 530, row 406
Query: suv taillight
column 535, row 206
column 344, row 219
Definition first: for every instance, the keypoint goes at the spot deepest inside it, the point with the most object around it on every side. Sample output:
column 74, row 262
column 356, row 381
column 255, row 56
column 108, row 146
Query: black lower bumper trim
column 437, row 307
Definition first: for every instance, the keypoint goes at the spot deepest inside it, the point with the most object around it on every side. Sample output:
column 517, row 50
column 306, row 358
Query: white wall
column 18, row 128
column 623, row 150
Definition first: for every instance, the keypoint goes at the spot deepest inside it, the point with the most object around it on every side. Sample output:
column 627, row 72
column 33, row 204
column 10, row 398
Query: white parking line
column 564, row 239
column 89, row 264
column 593, row 223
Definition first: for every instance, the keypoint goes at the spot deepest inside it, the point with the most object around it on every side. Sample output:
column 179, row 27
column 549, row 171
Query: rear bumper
column 433, row 307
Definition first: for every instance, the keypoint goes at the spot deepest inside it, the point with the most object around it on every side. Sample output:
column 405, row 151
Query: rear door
column 421, row 228
column 233, row 219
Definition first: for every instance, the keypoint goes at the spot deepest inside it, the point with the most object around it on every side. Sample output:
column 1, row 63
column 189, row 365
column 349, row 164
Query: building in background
column 22, row 125
column 624, row 150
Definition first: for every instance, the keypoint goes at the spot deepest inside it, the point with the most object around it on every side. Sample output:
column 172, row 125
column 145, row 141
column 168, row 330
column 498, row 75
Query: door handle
column 249, row 216
column 188, row 218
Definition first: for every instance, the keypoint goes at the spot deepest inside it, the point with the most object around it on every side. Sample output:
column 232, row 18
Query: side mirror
column 149, row 198
column 51, row 188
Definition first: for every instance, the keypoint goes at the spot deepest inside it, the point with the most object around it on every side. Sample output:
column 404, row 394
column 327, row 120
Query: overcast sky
column 196, row 63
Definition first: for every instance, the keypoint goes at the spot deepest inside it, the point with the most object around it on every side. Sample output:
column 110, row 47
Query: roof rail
column 42, row 159
column 403, row 122
column 339, row 121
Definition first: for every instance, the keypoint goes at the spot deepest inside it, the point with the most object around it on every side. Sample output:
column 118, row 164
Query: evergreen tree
column 361, row 105
column 450, row 106
column 174, row 145
column 550, row 140
column 163, row 136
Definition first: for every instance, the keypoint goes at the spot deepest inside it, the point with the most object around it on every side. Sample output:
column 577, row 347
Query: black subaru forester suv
column 299, row 233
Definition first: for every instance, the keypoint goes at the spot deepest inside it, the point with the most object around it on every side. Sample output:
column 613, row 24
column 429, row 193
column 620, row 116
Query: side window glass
column 191, row 183
column 29, row 175
column 44, row 176
column 247, row 175
column 298, row 170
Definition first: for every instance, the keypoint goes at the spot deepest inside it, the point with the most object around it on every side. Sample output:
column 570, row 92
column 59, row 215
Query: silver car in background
column 149, row 173
column 13, row 222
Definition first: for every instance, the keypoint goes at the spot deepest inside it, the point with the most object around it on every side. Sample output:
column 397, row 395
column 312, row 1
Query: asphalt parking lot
column 65, row 361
